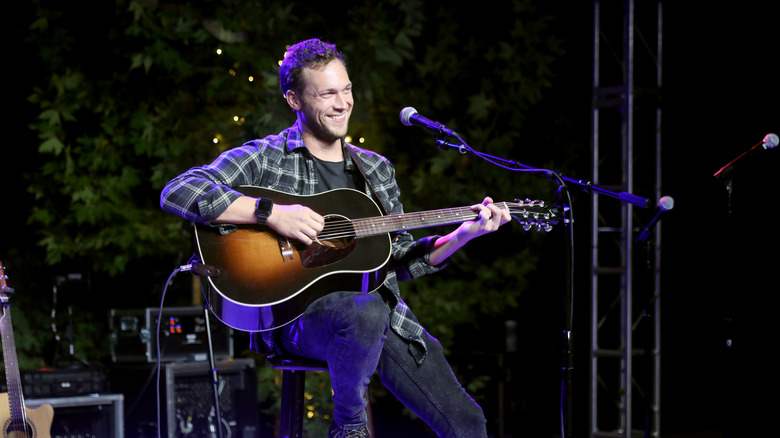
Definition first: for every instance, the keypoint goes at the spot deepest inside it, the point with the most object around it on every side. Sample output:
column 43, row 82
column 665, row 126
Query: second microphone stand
column 563, row 203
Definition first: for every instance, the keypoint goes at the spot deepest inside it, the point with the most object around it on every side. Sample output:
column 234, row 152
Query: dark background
column 720, row 91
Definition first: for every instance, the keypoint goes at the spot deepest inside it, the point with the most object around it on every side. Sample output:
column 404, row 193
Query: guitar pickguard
column 327, row 252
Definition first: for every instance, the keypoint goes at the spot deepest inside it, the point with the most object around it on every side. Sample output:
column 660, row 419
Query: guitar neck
column 13, row 378
column 412, row 221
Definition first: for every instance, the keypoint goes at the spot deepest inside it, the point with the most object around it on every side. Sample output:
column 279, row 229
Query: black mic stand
column 199, row 269
column 732, row 319
column 57, row 341
column 214, row 373
column 563, row 201
column 726, row 173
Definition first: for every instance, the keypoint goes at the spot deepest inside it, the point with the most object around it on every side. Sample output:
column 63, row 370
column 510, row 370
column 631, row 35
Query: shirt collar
column 349, row 164
column 294, row 138
column 295, row 141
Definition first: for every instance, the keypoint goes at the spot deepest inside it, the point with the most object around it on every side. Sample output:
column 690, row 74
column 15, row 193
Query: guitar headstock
column 5, row 290
column 534, row 214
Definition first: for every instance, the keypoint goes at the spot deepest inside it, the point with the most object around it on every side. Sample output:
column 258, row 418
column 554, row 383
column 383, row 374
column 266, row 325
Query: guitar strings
column 343, row 228
column 349, row 228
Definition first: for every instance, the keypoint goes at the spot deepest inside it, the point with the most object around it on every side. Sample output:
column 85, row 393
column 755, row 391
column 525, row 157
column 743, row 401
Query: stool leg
column 369, row 413
column 291, row 422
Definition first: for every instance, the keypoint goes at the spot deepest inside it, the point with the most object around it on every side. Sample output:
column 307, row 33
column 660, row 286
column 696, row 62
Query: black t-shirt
column 333, row 175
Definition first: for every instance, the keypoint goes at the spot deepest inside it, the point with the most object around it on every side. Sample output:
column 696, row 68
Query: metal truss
column 625, row 354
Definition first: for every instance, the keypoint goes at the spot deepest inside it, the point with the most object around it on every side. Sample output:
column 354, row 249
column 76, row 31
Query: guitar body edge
column 41, row 419
column 257, row 289
column 268, row 317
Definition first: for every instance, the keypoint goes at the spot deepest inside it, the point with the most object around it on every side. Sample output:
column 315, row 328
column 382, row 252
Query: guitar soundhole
column 334, row 243
column 17, row 429
column 338, row 232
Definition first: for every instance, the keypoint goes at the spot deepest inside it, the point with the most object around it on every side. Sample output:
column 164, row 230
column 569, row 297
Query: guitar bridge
column 286, row 248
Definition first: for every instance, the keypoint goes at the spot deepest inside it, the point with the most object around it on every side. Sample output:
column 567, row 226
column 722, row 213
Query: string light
column 348, row 139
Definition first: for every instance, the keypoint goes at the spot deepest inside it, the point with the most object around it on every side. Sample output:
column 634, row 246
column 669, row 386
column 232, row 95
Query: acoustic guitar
column 17, row 421
column 259, row 280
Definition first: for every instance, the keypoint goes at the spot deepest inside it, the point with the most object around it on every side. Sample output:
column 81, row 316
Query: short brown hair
column 312, row 53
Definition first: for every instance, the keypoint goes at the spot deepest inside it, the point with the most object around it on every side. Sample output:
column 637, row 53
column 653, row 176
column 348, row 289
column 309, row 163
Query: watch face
column 263, row 210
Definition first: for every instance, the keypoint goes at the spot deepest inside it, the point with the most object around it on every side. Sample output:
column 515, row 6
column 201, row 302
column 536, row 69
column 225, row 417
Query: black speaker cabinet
column 85, row 416
column 186, row 401
column 182, row 335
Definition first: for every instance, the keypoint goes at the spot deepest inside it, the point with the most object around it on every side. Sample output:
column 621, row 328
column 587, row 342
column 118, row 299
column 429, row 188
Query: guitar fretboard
column 365, row 227
column 412, row 221
column 13, row 378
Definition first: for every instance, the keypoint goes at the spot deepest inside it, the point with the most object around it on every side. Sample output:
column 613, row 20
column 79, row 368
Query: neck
column 329, row 152
column 324, row 150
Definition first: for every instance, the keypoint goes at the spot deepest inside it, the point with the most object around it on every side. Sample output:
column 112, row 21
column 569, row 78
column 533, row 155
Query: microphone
column 770, row 141
column 410, row 116
column 665, row 204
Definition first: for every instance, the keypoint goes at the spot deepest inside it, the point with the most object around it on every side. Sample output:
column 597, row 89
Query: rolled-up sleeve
column 203, row 193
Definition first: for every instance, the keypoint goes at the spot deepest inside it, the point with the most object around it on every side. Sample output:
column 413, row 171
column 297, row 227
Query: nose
column 343, row 100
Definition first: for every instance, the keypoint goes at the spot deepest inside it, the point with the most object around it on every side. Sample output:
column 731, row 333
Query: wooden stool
column 293, row 380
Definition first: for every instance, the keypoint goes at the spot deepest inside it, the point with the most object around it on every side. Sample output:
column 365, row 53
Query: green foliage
column 143, row 95
column 137, row 91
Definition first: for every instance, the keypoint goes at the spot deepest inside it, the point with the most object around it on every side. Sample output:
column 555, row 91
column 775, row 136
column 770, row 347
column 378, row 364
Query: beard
column 323, row 129
column 327, row 133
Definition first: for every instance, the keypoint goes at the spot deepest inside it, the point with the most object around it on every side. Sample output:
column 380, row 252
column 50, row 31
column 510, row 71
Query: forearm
column 294, row 221
column 445, row 247
column 489, row 219
column 241, row 211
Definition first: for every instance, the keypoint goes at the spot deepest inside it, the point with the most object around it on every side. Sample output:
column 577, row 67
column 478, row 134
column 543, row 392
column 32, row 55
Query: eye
column 326, row 94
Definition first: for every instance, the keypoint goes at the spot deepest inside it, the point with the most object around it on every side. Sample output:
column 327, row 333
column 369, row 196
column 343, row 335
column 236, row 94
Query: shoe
column 337, row 432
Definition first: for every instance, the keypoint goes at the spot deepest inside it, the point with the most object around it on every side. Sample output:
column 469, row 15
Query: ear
column 293, row 100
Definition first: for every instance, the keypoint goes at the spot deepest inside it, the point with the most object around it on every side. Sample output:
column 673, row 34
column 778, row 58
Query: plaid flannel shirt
column 283, row 163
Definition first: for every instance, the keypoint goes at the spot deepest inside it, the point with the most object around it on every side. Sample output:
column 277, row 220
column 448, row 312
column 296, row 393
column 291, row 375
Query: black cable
column 158, row 360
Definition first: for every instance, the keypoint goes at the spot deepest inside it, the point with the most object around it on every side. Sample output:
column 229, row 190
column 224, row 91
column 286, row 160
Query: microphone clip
column 462, row 148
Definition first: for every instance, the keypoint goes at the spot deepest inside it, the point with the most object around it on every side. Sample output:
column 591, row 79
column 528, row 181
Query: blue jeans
column 350, row 330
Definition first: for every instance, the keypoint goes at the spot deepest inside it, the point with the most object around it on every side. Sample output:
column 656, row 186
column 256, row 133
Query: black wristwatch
column 263, row 208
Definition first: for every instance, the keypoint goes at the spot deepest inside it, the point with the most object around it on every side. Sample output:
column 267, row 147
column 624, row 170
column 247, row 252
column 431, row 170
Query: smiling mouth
column 339, row 118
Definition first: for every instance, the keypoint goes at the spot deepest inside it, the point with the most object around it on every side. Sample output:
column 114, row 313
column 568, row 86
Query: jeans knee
column 372, row 312
column 367, row 315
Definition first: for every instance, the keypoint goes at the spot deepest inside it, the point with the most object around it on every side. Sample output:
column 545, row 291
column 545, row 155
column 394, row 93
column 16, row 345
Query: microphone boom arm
column 585, row 186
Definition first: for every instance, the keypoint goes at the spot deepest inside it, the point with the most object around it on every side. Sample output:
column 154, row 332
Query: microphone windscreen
column 406, row 114
column 666, row 203
column 770, row 141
